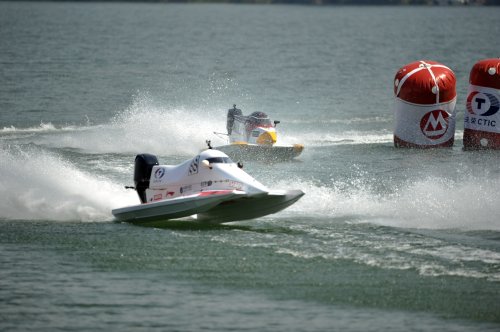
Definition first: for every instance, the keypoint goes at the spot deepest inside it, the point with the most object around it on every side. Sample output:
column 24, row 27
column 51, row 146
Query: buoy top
column 425, row 82
column 486, row 73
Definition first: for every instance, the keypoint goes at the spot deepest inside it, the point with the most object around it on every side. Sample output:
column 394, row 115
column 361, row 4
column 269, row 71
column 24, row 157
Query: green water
column 383, row 240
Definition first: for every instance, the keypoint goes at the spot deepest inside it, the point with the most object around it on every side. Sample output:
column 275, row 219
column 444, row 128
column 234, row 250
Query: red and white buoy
column 424, row 114
column 482, row 119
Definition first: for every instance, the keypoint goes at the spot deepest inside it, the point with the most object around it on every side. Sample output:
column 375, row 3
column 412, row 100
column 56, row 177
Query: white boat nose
column 251, row 186
column 243, row 180
column 256, row 190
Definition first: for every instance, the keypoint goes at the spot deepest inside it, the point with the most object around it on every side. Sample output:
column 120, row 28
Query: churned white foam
column 436, row 203
column 339, row 138
column 344, row 137
column 158, row 129
column 144, row 127
column 43, row 127
column 343, row 120
column 431, row 203
column 37, row 185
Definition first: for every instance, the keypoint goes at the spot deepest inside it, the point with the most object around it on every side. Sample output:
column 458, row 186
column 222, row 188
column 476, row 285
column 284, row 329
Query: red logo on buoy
column 434, row 124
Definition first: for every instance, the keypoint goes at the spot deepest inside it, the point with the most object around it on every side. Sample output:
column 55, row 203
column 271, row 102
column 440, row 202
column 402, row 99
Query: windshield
column 220, row 160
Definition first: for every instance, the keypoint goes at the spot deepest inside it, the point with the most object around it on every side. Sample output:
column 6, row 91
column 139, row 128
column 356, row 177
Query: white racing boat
column 209, row 187
column 254, row 137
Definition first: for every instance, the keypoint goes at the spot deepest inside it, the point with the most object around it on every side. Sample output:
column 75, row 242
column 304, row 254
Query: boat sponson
column 251, row 207
column 174, row 208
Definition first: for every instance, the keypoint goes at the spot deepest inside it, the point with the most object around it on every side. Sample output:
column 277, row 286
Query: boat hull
column 210, row 208
column 251, row 207
column 243, row 151
column 150, row 213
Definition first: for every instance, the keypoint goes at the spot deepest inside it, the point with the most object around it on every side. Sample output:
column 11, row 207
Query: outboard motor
column 230, row 118
column 142, row 173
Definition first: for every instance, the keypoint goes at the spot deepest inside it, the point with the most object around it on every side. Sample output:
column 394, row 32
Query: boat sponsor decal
column 206, row 183
column 434, row 124
column 193, row 167
column 231, row 183
column 170, row 193
column 159, row 173
column 157, row 197
column 226, row 182
column 186, row 188
column 235, row 184
column 215, row 192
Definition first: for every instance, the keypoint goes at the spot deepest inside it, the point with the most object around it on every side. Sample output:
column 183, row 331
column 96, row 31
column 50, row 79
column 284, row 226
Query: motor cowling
column 142, row 173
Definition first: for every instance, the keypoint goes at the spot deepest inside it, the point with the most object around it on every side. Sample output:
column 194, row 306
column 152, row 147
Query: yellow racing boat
column 254, row 137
